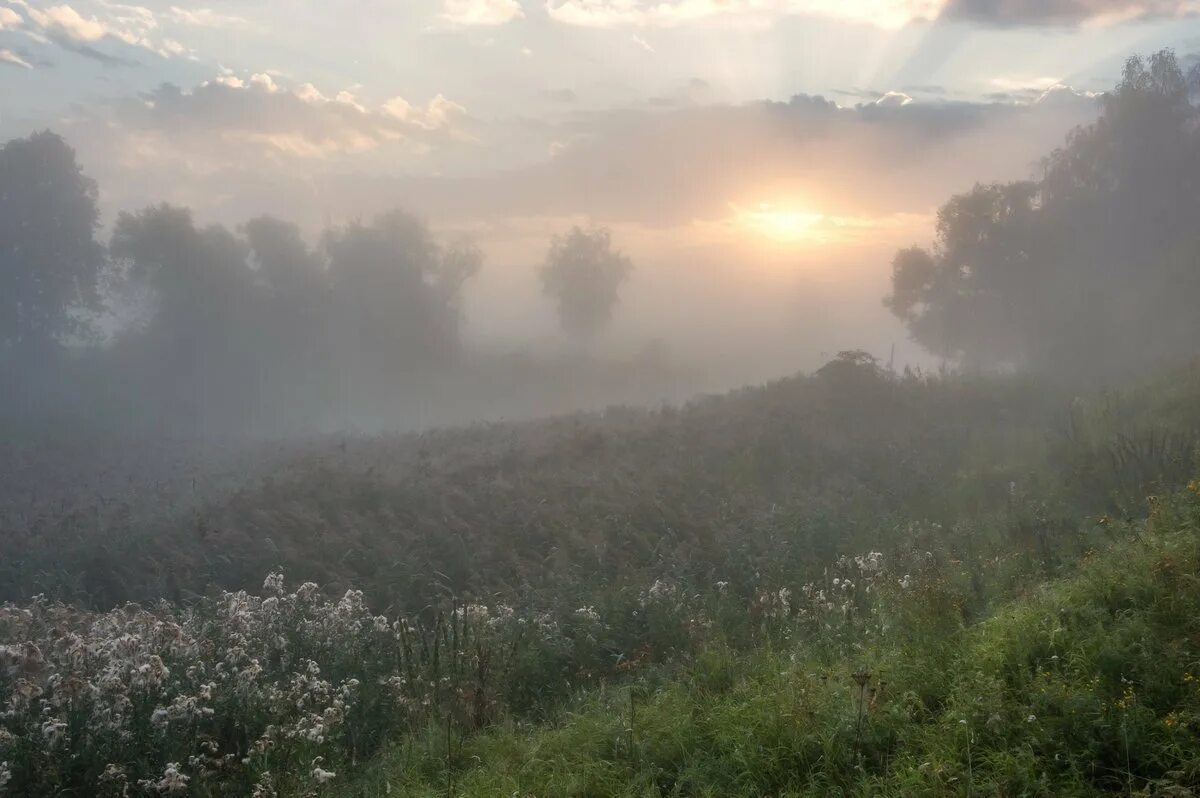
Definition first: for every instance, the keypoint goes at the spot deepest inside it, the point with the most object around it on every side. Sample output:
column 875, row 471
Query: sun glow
column 781, row 224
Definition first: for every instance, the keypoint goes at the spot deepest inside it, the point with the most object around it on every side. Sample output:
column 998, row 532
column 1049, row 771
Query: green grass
column 855, row 583
column 1087, row 685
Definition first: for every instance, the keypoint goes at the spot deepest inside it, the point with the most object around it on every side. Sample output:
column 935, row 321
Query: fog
column 248, row 253
column 599, row 397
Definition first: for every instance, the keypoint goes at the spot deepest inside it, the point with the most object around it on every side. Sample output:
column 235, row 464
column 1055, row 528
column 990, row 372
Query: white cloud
column 481, row 12
column 231, row 117
column 11, row 58
column 8, row 18
column 1018, row 84
column 136, row 26
column 64, row 22
column 204, row 18
column 640, row 42
column 667, row 13
column 894, row 99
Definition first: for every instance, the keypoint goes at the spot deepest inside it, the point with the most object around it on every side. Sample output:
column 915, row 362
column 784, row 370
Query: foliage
column 583, row 274
column 1085, row 686
column 1087, row 271
column 50, row 261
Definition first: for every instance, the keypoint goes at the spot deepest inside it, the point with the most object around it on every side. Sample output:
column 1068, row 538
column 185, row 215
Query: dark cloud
column 87, row 51
column 1061, row 12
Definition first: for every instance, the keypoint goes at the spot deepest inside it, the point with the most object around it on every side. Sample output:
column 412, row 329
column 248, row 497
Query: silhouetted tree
column 50, row 261
column 582, row 273
column 395, row 291
column 1092, row 269
column 294, row 323
column 200, row 351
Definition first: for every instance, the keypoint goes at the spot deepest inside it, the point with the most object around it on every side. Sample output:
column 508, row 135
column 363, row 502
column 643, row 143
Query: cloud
column 562, row 96
column 894, row 99
column 481, row 12
column 134, row 26
column 63, row 23
column 671, row 168
column 232, row 120
column 9, row 19
column 204, row 18
column 669, row 13
column 13, row 59
column 1065, row 12
column 881, row 13
column 640, row 42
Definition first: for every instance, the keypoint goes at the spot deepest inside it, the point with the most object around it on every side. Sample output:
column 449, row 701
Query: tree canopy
column 50, row 261
column 1091, row 269
column 583, row 274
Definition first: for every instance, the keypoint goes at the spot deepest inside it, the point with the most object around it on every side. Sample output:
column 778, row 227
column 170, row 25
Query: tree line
column 1092, row 269
column 199, row 327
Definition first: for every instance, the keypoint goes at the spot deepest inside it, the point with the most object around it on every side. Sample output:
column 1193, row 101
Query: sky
column 760, row 160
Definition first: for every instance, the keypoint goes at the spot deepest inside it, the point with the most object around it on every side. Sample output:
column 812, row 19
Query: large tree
column 200, row 354
column 1093, row 269
column 395, row 291
column 50, row 261
column 583, row 274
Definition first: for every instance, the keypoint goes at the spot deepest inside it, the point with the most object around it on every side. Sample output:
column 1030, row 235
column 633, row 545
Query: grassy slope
column 1086, row 685
column 780, row 477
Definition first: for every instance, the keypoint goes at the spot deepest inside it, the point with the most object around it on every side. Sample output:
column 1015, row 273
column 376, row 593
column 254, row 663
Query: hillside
column 1081, row 686
column 763, row 481
column 1011, row 653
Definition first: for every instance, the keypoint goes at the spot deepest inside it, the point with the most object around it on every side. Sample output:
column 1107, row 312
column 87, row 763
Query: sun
column 778, row 223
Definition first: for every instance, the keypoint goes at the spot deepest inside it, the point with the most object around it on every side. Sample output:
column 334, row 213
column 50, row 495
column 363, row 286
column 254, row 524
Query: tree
column 1091, row 270
column 286, row 264
column 50, row 261
column 961, row 301
column 396, row 291
column 583, row 274
column 200, row 353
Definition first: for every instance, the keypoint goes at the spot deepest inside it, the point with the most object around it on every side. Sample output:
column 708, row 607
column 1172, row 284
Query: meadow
column 854, row 582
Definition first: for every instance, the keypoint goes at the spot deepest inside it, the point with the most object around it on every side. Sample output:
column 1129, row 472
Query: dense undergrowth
column 852, row 583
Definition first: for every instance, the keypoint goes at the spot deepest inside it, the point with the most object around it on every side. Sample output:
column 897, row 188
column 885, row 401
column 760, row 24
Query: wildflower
column 5, row 774
column 320, row 775
column 263, row 788
column 1031, row 719
column 588, row 614
column 114, row 780
column 172, row 781
column 273, row 583
column 53, row 731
